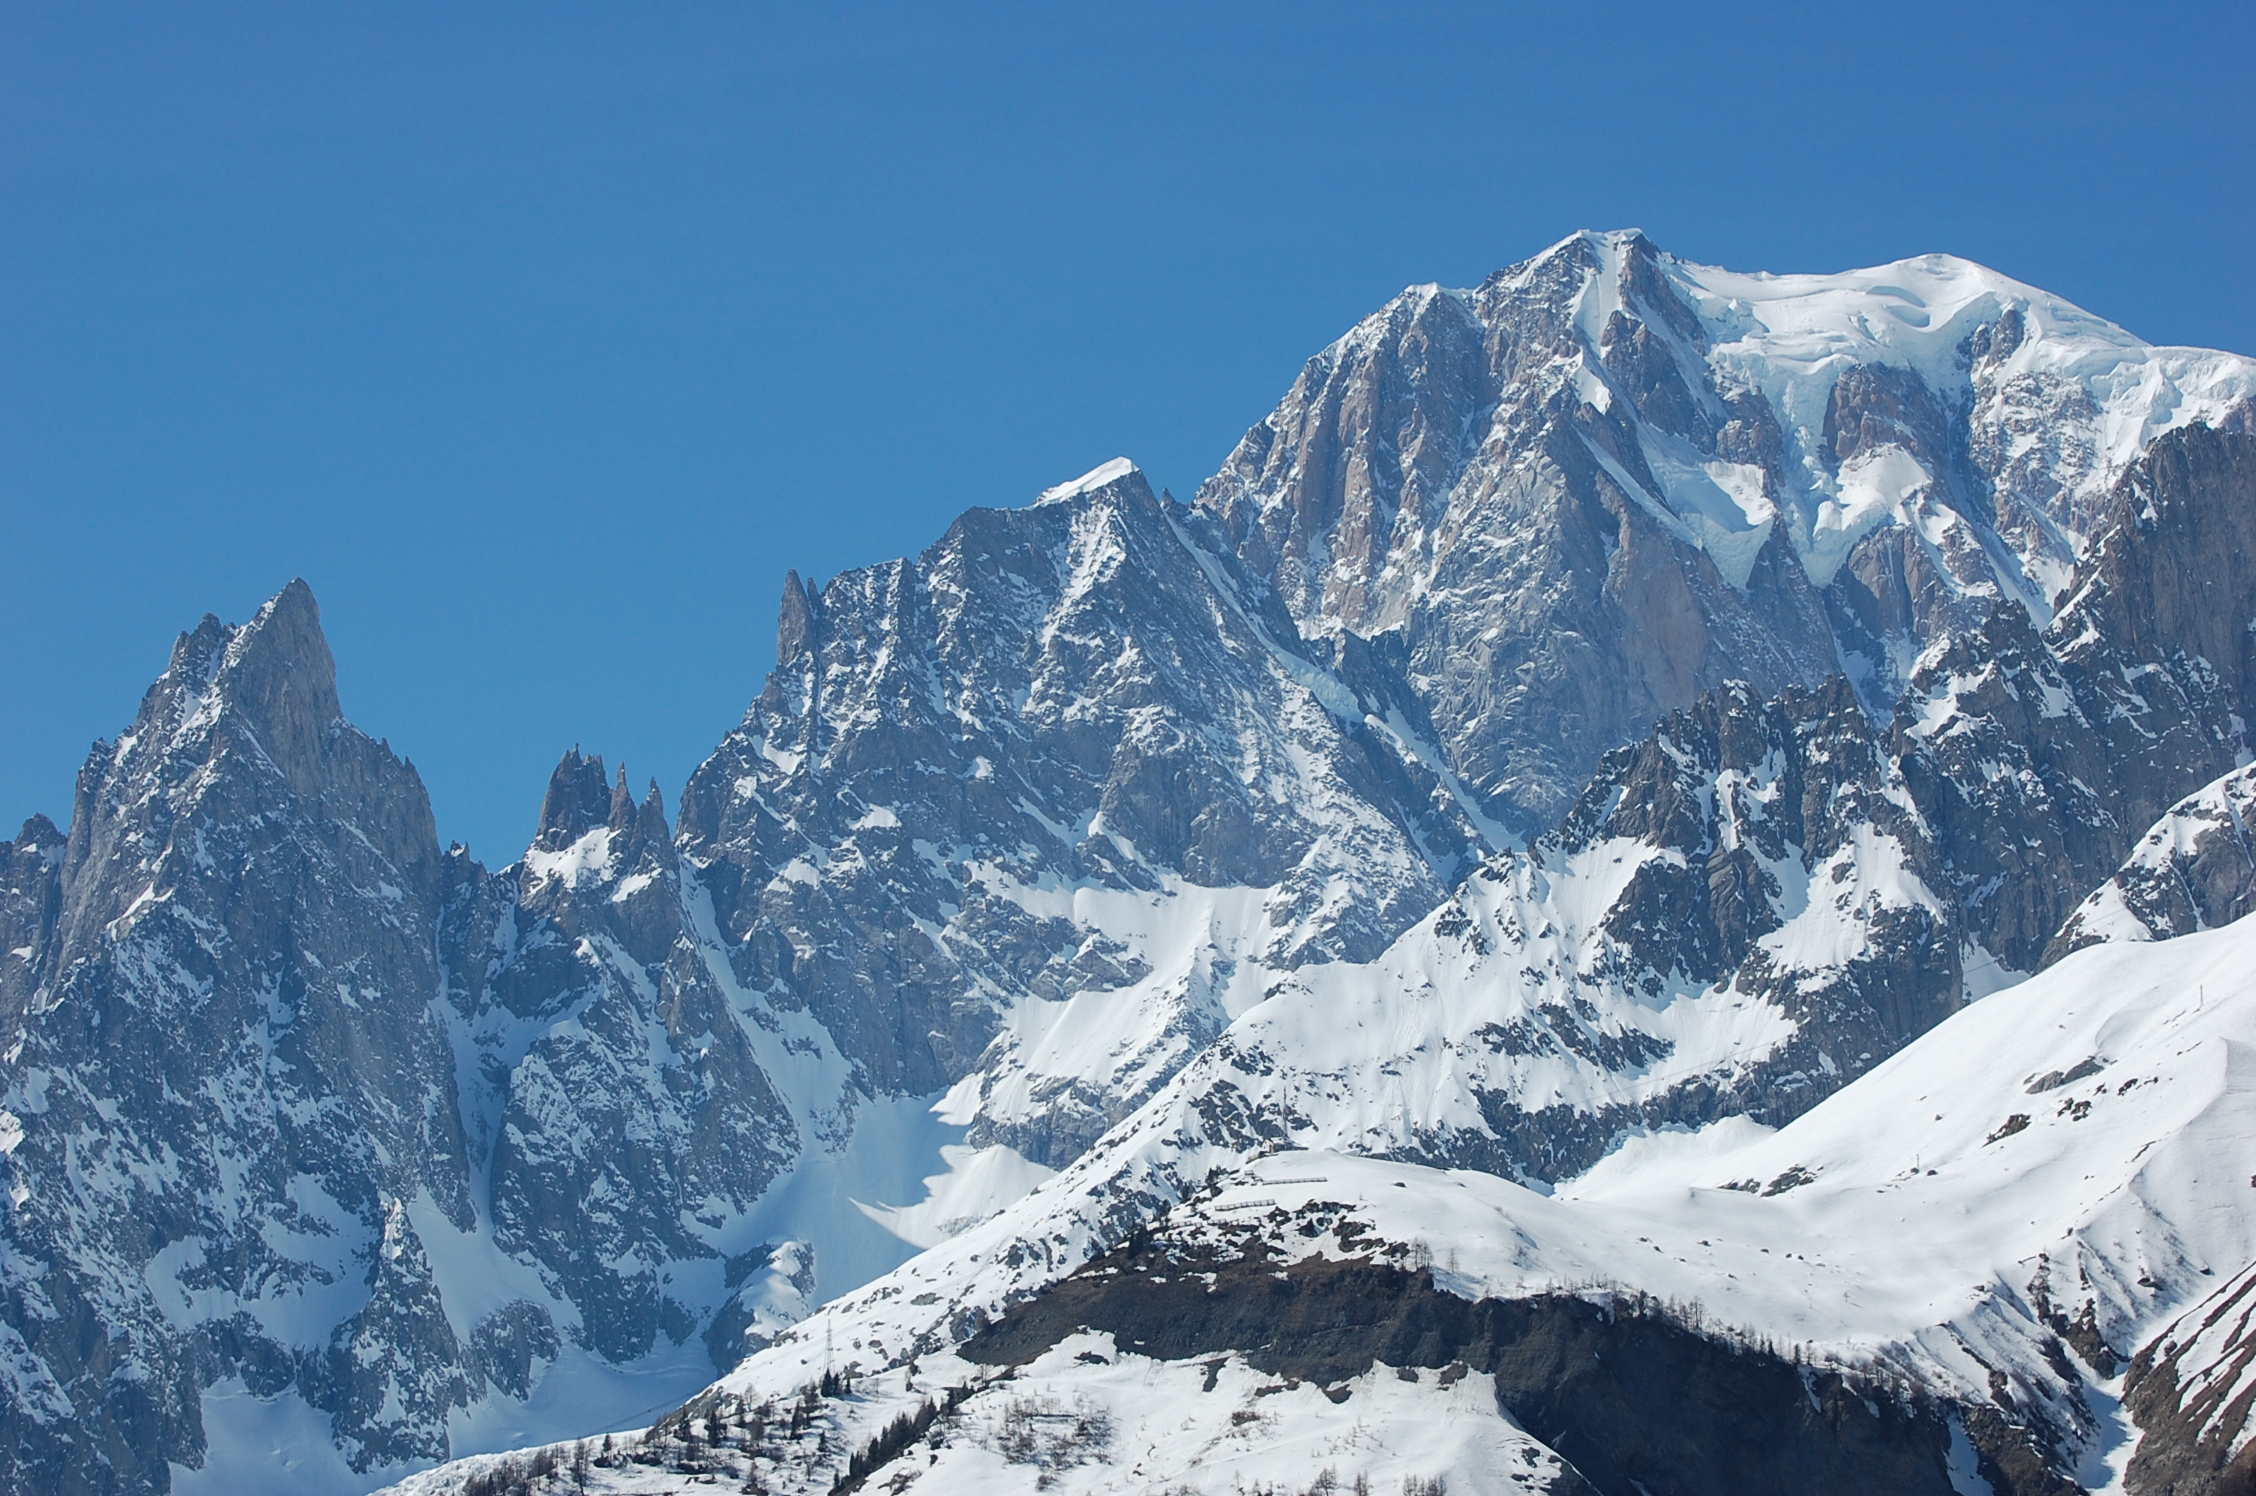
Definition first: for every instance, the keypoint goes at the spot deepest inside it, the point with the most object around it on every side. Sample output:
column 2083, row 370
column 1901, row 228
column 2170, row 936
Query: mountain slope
column 2038, row 757
column 642, row 1141
column 1972, row 1240
column 1035, row 816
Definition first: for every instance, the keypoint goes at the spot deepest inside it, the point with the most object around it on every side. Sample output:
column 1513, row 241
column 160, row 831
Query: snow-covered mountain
column 1564, row 502
column 2196, row 870
column 1036, row 815
column 1598, row 718
column 669, row 1086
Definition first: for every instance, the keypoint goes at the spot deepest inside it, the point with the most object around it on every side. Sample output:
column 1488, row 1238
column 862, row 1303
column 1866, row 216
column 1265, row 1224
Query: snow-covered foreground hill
column 1975, row 1239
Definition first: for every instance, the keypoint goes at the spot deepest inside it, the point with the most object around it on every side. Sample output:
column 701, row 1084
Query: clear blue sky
column 543, row 339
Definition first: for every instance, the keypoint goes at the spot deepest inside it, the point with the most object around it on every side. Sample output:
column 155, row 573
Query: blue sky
column 543, row 339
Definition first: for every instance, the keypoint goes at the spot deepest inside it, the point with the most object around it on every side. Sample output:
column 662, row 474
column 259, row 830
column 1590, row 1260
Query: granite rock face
column 1605, row 480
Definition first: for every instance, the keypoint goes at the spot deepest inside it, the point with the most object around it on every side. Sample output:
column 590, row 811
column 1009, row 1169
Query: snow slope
column 2068, row 1153
column 2061, row 377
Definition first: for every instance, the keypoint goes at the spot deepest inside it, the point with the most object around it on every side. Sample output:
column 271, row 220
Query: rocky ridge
column 1039, row 813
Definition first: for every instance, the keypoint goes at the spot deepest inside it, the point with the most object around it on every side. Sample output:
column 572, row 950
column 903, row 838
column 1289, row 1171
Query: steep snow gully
column 1642, row 894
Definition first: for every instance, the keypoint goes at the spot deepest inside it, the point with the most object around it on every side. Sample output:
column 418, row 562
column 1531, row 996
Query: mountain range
column 1611, row 753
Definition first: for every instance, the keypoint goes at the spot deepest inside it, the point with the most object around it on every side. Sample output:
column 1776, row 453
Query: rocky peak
column 579, row 799
column 234, row 995
column 1511, row 479
column 272, row 678
column 279, row 673
column 244, row 722
column 1090, row 692
column 798, row 618
column 1653, row 344
column 601, row 862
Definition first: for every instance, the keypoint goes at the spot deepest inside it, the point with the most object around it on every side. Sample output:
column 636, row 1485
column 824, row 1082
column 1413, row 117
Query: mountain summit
column 1606, row 479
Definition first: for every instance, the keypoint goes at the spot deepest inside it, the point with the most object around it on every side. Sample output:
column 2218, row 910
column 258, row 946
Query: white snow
column 1722, row 505
column 1792, row 336
column 1874, row 485
column 587, row 860
column 1090, row 481
column 281, row 1438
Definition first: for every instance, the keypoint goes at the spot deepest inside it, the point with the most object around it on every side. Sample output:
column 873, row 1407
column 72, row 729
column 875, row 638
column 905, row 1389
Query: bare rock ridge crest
column 1682, row 688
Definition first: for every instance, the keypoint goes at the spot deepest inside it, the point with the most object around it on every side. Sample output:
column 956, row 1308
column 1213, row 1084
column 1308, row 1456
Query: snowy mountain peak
column 1695, row 475
column 1103, row 475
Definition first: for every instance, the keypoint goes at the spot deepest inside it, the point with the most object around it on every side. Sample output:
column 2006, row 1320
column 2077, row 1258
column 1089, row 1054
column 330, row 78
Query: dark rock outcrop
column 1631, row 1398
